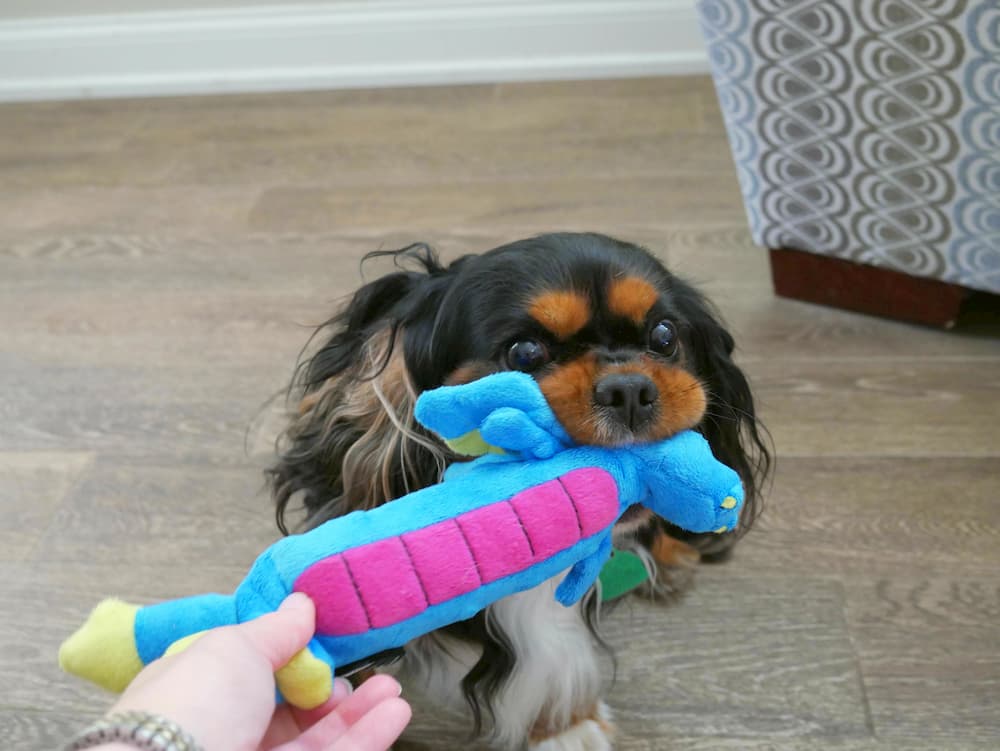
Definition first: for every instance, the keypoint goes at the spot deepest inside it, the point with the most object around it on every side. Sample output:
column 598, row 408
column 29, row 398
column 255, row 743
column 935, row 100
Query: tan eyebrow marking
column 631, row 298
column 563, row 313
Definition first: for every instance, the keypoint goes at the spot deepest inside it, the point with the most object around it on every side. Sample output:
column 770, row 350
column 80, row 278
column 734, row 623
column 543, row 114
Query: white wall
column 213, row 46
column 24, row 9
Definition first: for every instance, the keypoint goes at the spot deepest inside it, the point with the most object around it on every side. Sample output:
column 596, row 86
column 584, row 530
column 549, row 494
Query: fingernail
column 342, row 688
column 294, row 600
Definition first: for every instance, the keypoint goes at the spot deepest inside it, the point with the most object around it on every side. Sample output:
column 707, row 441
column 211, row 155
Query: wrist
column 122, row 731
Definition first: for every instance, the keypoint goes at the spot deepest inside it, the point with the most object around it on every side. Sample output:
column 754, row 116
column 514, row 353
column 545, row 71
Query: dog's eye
column 527, row 355
column 663, row 338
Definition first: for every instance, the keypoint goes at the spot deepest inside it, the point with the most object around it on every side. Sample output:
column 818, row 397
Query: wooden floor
column 162, row 262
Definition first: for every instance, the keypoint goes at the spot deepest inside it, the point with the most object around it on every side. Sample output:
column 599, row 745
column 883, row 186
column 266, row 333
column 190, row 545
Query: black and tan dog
column 623, row 351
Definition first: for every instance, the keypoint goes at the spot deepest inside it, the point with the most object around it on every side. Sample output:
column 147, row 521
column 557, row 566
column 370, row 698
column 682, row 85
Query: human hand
column 221, row 691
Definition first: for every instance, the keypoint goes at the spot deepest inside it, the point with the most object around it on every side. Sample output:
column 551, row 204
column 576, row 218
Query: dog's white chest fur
column 555, row 684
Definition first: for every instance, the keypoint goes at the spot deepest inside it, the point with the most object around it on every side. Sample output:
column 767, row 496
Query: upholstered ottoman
column 866, row 135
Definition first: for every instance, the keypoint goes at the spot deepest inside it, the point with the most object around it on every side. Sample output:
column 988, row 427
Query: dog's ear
column 352, row 442
column 730, row 423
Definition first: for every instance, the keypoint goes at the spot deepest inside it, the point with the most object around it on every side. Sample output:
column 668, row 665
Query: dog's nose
column 630, row 395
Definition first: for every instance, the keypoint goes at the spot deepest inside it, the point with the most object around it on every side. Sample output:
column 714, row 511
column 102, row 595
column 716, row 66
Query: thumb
column 280, row 635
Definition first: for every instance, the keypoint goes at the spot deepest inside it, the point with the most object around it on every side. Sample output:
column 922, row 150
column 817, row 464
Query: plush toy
column 530, row 507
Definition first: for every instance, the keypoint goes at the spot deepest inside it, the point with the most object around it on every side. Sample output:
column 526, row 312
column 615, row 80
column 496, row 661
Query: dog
column 623, row 350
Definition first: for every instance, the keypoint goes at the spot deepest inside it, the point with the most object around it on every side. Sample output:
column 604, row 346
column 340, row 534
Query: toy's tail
column 103, row 649
column 118, row 639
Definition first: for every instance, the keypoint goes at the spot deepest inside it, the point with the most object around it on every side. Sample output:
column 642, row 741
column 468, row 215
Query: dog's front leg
column 552, row 700
column 590, row 730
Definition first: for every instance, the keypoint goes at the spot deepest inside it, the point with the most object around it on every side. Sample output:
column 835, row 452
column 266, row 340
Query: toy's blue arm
column 504, row 410
column 583, row 574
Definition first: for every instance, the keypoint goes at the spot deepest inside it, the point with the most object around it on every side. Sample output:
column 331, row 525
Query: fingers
column 376, row 689
column 378, row 729
column 290, row 722
column 306, row 718
column 278, row 636
column 370, row 696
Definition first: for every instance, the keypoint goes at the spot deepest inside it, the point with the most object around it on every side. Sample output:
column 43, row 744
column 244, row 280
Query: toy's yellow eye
column 527, row 355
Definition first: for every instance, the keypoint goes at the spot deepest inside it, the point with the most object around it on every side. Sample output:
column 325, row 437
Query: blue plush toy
column 531, row 506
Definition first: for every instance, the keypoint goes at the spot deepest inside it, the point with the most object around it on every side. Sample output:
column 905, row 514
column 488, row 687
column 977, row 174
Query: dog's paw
column 593, row 734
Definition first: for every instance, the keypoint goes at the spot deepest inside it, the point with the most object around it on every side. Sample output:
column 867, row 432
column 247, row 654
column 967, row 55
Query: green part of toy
column 623, row 572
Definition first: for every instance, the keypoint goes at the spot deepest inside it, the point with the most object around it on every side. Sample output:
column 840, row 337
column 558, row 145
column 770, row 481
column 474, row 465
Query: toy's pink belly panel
column 388, row 581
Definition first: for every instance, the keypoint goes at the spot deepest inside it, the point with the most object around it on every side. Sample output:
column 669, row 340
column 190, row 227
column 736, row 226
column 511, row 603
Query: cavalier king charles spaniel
column 623, row 351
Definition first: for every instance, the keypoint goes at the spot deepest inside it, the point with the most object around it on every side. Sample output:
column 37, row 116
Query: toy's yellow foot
column 103, row 649
column 181, row 644
column 306, row 681
column 472, row 444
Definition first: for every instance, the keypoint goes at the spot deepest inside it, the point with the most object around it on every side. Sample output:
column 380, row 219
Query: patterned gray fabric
column 866, row 129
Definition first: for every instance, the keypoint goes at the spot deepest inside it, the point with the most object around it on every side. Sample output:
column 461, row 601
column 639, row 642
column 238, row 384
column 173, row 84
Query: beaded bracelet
column 140, row 729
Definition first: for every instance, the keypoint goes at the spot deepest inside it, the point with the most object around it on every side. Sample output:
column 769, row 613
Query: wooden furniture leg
column 867, row 289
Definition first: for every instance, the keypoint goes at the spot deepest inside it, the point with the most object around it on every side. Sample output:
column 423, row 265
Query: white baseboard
column 346, row 45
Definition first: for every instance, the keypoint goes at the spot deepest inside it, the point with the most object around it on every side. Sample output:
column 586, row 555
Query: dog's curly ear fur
column 353, row 443
column 730, row 424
